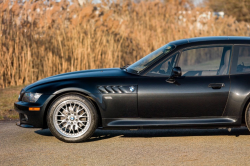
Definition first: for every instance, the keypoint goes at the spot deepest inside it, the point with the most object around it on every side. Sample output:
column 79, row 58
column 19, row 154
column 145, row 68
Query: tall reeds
column 43, row 38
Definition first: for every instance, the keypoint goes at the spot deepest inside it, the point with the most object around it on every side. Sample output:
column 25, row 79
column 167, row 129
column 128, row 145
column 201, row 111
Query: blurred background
column 43, row 38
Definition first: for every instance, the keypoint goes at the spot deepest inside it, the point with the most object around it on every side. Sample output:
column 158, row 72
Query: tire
column 72, row 118
column 247, row 116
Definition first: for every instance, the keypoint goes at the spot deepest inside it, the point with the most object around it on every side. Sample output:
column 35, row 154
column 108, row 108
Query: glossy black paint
column 35, row 118
column 203, row 101
column 188, row 97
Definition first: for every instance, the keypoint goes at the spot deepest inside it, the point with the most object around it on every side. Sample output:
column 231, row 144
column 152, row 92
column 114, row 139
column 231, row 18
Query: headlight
column 21, row 94
column 31, row 97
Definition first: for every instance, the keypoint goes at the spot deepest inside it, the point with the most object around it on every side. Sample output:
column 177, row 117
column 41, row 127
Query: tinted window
column 165, row 67
column 205, row 61
column 241, row 60
column 150, row 58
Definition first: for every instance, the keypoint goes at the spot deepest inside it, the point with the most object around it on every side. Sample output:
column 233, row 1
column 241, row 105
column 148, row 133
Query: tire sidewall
column 93, row 114
column 247, row 116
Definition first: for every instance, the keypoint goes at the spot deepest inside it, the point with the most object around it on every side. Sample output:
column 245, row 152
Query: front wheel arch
column 71, row 93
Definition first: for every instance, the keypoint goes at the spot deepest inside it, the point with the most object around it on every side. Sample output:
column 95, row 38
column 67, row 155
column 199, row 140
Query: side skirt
column 151, row 122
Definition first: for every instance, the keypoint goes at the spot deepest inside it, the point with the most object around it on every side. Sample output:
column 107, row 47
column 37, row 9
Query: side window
column 165, row 67
column 241, row 60
column 205, row 61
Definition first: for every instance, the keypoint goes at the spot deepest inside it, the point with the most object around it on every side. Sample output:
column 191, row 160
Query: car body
column 198, row 82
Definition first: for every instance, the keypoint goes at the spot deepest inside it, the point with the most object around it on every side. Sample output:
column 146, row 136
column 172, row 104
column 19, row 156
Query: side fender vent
column 102, row 89
column 116, row 89
column 123, row 89
column 107, row 89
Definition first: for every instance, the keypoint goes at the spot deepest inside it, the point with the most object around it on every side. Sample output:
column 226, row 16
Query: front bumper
column 32, row 118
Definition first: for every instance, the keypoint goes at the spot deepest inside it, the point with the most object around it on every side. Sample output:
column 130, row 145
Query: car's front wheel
column 72, row 118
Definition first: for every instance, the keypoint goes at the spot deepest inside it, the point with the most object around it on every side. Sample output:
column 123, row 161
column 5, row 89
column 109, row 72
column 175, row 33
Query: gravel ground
column 28, row 146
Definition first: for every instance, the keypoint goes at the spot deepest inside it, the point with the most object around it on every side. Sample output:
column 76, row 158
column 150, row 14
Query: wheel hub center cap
column 72, row 118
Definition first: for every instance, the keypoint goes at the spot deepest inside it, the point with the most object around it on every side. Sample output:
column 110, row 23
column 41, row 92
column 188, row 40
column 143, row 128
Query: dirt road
column 22, row 146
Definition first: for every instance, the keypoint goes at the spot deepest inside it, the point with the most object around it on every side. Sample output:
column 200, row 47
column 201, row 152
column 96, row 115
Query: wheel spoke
column 73, row 107
column 77, row 110
column 62, row 122
column 65, row 126
column 80, row 110
column 71, row 128
column 65, row 109
column 68, row 127
column 76, row 127
column 82, row 123
column 71, row 118
column 61, row 113
column 83, row 116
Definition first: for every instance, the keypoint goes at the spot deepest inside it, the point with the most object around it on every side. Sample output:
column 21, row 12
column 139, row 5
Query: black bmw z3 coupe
column 190, row 83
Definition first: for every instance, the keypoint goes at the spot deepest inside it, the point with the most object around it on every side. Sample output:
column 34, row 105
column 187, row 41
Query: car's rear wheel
column 247, row 116
column 72, row 118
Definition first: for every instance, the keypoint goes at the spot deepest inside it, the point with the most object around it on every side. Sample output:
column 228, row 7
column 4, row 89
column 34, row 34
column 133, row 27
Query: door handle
column 216, row 85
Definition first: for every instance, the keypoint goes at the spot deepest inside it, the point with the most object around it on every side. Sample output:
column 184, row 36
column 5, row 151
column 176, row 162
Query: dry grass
column 38, row 39
column 7, row 98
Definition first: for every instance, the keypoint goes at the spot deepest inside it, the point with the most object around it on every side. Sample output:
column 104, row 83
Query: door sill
column 148, row 122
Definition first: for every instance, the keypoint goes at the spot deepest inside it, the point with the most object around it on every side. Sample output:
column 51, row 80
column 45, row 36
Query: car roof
column 211, row 39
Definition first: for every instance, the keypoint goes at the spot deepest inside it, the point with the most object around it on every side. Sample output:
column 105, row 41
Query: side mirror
column 176, row 72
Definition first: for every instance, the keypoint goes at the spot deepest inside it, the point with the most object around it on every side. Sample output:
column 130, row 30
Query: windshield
column 150, row 58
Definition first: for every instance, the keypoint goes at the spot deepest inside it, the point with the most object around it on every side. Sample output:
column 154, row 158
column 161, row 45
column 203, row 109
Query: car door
column 201, row 91
column 240, row 78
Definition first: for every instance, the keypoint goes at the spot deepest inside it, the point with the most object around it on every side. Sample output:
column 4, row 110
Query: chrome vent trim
column 109, row 89
column 116, row 89
column 102, row 89
column 123, row 89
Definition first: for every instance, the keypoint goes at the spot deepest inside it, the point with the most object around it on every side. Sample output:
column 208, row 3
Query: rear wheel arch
column 243, row 117
column 64, row 93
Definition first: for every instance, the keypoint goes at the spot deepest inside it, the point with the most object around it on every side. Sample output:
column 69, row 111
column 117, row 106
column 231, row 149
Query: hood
column 111, row 72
